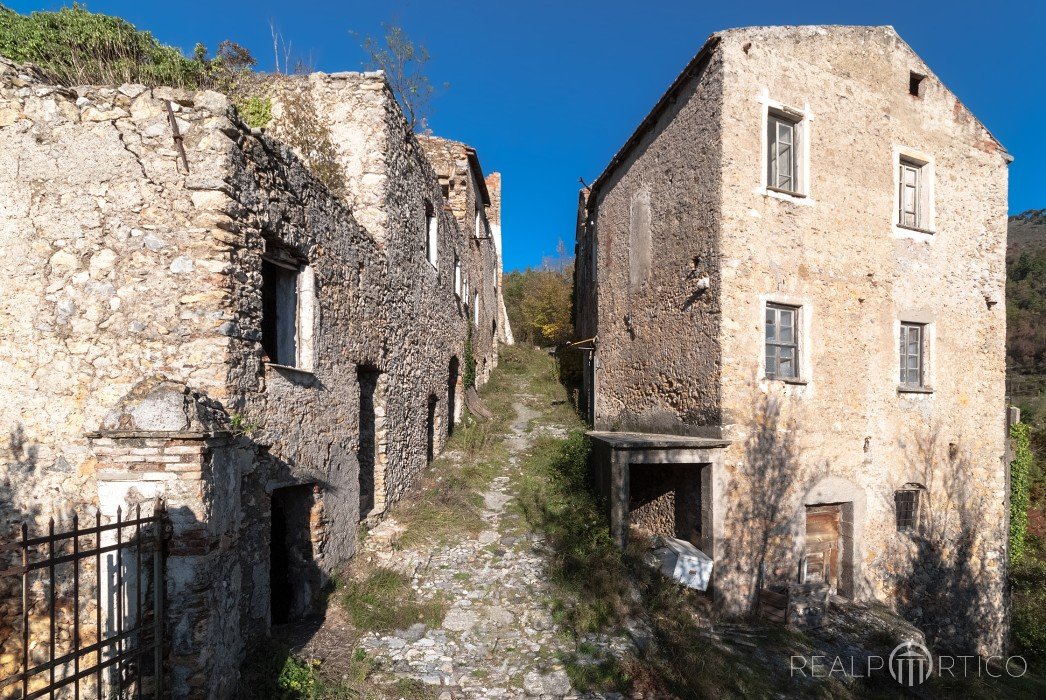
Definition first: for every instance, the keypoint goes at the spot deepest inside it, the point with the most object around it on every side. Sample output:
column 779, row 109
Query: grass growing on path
column 447, row 502
column 383, row 601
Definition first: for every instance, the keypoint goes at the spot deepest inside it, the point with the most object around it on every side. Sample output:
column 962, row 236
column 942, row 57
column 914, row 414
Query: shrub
column 256, row 111
column 1020, row 489
column 76, row 47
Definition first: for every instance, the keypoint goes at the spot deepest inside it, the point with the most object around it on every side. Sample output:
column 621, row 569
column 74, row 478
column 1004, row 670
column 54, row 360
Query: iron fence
column 90, row 618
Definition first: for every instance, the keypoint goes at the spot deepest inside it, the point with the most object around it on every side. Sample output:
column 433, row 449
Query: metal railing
column 107, row 575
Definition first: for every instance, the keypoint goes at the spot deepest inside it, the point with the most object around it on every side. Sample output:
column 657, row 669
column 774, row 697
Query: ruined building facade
column 192, row 313
column 790, row 298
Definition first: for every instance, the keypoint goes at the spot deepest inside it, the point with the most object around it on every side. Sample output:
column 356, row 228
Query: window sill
column 916, row 229
column 914, row 390
column 784, row 195
column 433, row 265
column 288, row 368
column 789, row 193
column 783, row 380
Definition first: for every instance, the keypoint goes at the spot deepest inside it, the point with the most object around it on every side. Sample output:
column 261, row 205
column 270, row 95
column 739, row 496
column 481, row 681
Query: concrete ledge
column 654, row 441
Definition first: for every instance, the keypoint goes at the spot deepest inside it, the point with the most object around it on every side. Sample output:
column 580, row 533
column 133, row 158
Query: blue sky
column 547, row 91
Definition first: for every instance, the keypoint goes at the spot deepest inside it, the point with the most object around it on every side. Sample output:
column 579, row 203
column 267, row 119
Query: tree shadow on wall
column 952, row 588
column 19, row 464
column 760, row 489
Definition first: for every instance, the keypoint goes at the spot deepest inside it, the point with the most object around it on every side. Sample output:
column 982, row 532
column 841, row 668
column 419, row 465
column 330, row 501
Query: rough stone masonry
column 803, row 203
column 276, row 360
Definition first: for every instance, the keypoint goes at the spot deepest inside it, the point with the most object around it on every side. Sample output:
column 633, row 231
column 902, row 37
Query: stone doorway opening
column 667, row 500
column 453, row 379
column 430, row 429
column 367, row 456
column 828, row 551
column 294, row 579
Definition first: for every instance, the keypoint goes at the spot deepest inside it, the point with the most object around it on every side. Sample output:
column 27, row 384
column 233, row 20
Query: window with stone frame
column 288, row 309
column 475, row 309
column 912, row 204
column 907, row 501
column 782, row 341
column 784, row 152
column 912, row 354
column 432, row 234
column 457, row 276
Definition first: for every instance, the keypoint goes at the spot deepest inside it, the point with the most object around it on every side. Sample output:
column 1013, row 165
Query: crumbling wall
column 115, row 271
column 140, row 269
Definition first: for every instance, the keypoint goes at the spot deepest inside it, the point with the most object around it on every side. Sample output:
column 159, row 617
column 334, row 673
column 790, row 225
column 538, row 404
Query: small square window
column 916, row 83
column 782, row 342
column 784, row 153
column 913, row 337
column 907, row 506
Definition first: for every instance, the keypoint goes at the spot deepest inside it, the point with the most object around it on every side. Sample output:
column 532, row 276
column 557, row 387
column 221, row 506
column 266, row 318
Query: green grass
column 447, row 502
column 274, row 673
column 382, row 601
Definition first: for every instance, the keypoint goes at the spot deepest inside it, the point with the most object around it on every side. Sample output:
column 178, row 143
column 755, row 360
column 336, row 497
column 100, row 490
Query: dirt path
column 498, row 638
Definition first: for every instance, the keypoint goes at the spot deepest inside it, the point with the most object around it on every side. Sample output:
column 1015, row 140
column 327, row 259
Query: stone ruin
column 191, row 313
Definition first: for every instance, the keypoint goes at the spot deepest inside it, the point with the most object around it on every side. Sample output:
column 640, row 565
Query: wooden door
column 823, row 544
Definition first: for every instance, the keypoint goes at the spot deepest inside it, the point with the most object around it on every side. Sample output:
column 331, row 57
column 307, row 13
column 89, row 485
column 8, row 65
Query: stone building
column 790, row 298
column 192, row 313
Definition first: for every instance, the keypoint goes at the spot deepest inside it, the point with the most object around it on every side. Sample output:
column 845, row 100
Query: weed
column 383, row 601
column 255, row 111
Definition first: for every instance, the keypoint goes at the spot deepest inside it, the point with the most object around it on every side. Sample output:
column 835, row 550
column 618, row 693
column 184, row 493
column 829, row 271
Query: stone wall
column 856, row 276
column 843, row 432
column 655, row 219
column 131, row 339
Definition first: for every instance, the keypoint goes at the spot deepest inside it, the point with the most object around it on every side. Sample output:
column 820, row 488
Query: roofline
column 693, row 67
column 478, row 170
column 696, row 63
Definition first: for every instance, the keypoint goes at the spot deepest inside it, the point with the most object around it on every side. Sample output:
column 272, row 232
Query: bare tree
column 403, row 63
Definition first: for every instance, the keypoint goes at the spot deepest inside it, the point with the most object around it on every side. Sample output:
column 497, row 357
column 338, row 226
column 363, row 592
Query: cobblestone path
column 498, row 638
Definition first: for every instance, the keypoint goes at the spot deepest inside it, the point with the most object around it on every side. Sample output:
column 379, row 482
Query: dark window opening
column 430, row 430
column 279, row 313
column 452, row 395
column 294, row 578
column 368, row 450
column 445, row 189
column 915, row 83
column 907, row 504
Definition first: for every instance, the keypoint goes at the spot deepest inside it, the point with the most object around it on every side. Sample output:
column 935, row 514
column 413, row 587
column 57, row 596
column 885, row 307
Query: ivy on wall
column 470, row 359
column 1020, row 489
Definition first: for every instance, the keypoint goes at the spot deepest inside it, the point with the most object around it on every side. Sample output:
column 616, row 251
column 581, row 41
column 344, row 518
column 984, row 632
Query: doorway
column 368, row 450
column 822, row 562
column 430, row 429
column 293, row 576
column 452, row 395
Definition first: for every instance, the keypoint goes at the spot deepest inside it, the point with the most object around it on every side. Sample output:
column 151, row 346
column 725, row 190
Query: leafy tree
column 538, row 301
column 403, row 63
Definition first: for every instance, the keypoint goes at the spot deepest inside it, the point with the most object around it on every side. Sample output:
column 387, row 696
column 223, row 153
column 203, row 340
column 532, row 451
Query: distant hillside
column 1026, row 230
column 1026, row 293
